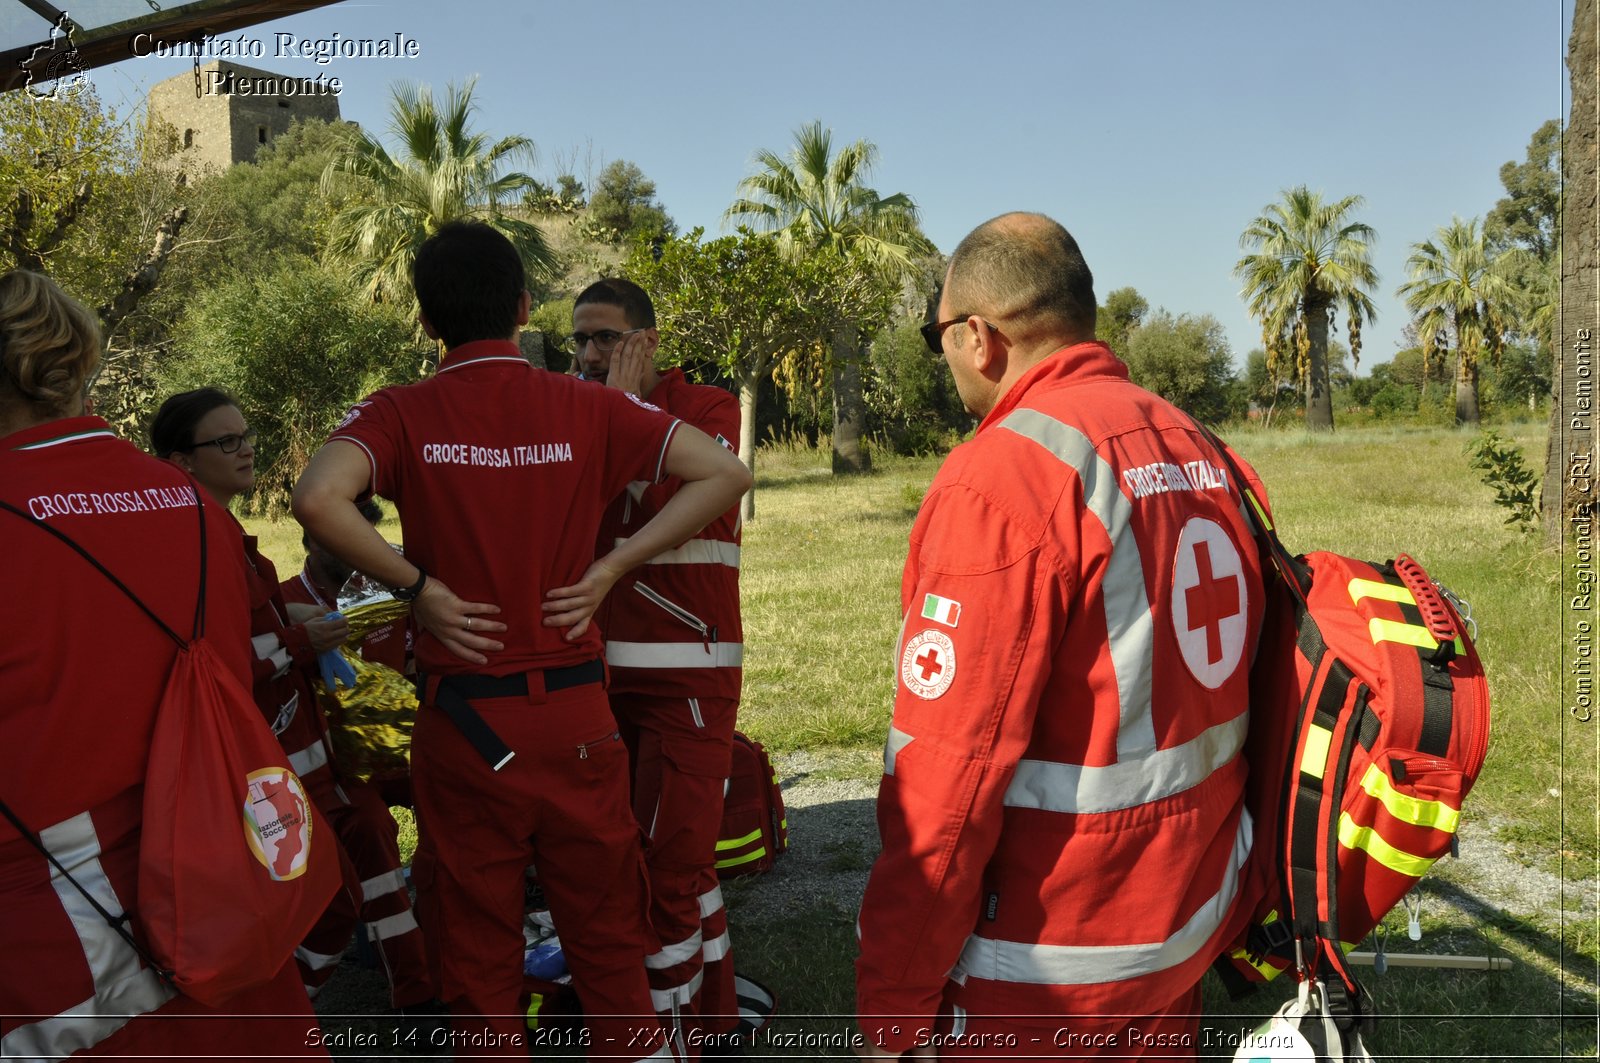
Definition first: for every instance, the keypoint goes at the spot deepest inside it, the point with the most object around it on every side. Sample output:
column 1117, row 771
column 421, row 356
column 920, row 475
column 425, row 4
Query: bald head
column 1026, row 271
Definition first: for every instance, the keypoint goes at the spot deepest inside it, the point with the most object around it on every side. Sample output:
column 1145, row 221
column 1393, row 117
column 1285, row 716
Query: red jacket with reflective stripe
column 1061, row 808
column 672, row 625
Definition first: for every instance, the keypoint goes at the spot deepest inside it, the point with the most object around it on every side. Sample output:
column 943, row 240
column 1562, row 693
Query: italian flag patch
column 945, row 611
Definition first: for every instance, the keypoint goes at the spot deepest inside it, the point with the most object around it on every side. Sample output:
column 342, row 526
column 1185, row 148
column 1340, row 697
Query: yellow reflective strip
column 1407, row 634
column 535, row 1005
column 1267, row 970
column 1388, row 592
column 734, row 843
column 1371, row 842
column 1314, row 760
column 1261, row 512
column 1408, row 809
column 735, row 861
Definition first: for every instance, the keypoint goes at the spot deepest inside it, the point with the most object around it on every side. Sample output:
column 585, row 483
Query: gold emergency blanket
column 371, row 728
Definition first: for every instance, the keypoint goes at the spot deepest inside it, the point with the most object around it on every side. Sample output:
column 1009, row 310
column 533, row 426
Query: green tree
column 445, row 172
column 1564, row 496
column 1307, row 260
column 1460, row 297
column 1186, row 361
column 817, row 201
column 624, row 205
column 1120, row 313
column 297, row 344
column 911, row 395
column 1529, row 214
column 274, row 206
column 738, row 303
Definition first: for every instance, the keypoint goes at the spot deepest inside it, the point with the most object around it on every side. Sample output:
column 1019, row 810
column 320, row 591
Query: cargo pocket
column 1402, row 815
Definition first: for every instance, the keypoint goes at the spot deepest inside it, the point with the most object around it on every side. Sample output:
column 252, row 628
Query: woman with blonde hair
column 82, row 672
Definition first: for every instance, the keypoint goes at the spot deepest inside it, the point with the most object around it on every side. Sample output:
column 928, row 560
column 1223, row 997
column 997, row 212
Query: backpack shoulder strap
column 108, row 574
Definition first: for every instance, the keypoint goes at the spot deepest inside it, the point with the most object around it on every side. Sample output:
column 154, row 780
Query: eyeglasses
column 228, row 444
column 605, row 341
column 933, row 332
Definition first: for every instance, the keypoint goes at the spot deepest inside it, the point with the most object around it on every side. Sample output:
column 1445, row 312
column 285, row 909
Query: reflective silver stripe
column 697, row 552
column 316, row 961
column 309, row 759
column 270, row 647
column 958, row 1020
column 674, row 655
column 897, row 741
column 1056, row 787
column 393, row 926
column 1128, row 621
column 675, row 953
column 1034, row 964
column 123, row 990
column 717, row 948
column 380, row 885
column 678, row 995
column 711, row 901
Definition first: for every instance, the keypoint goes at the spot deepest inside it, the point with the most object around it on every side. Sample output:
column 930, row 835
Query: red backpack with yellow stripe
column 755, row 827
column 1369, row 725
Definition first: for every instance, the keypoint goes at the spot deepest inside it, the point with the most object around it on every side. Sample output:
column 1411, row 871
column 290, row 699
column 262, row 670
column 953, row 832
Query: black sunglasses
column 933, row 332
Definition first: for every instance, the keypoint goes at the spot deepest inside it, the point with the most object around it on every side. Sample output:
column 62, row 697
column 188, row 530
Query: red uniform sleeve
column 969, row 679
column 373, row 425
column 636, row 440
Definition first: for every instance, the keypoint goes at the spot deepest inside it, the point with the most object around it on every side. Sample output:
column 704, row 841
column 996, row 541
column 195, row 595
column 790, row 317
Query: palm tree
column 1459, row 293
column 1309, row 259
column 817, row 203
column 446, row 172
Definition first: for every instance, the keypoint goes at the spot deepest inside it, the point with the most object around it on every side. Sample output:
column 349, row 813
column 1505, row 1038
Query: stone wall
column 238, row 110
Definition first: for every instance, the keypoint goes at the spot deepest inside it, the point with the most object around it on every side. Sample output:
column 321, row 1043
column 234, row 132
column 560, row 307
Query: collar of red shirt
column 53, row 433
column 481, row 351
column 1077, row 364
column 670, row 379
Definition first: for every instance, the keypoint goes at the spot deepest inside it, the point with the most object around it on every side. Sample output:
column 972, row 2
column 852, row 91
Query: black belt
column 457, row 692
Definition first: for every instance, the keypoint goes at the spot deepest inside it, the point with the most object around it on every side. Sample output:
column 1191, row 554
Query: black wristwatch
column 409, row 594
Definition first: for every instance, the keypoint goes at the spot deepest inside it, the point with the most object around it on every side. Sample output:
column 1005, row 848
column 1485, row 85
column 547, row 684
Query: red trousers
column 681, row 753
column 370, row 837
column 1171, row 1033
column 561, row 804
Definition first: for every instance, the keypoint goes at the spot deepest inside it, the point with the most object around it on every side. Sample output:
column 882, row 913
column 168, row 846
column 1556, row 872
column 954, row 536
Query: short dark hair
column 468, row 279
column 175, row 422
column 1026, row 268
column 617, row 291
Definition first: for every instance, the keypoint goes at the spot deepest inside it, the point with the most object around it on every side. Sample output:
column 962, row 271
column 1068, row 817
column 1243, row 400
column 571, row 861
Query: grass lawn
column 821, row 575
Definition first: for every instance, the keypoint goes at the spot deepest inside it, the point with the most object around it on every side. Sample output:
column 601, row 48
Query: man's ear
column 427, row 326
column 524, row 307
column 652, row 340
column 988, row 349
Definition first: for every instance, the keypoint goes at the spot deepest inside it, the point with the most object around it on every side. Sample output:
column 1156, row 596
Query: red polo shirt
column 501, row 472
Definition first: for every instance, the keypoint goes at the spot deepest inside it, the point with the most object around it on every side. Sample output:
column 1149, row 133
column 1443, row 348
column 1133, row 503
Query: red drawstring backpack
column 228, row 886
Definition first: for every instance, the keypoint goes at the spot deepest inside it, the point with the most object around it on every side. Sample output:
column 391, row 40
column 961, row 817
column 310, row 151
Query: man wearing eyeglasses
column 674, row 646
column 1062, row 820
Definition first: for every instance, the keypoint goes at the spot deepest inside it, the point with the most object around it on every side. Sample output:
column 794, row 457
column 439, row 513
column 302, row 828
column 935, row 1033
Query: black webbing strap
column 473, row 727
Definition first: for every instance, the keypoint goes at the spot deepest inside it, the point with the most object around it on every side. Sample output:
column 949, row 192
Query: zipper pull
column 1414, row 910
column 708, row 635
column 583, row 751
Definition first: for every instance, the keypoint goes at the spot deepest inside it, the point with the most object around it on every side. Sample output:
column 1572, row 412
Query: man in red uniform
column 501, row 473
column 675, row 647
column 357, row 810
column 1062, row 821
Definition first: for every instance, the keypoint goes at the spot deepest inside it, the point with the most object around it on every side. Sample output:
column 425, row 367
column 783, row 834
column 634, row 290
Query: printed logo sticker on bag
column 928, row 665
column 277, row 822
column 1210, row 611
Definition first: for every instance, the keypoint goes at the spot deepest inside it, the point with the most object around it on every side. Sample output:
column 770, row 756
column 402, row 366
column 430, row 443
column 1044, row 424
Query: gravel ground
column 833, row 839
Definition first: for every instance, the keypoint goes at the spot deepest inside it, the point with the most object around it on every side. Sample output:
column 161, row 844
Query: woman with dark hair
column 82, row 672
column 204, row 433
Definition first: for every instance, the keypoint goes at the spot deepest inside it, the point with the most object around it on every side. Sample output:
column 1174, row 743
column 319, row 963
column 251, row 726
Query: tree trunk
column 1466, row 390
column 1319, row 396
column 748, row 384
column 849, row 408
column 1568, row 490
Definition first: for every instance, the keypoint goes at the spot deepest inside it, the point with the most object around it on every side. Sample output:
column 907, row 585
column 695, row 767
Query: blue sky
column 1155, row 130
